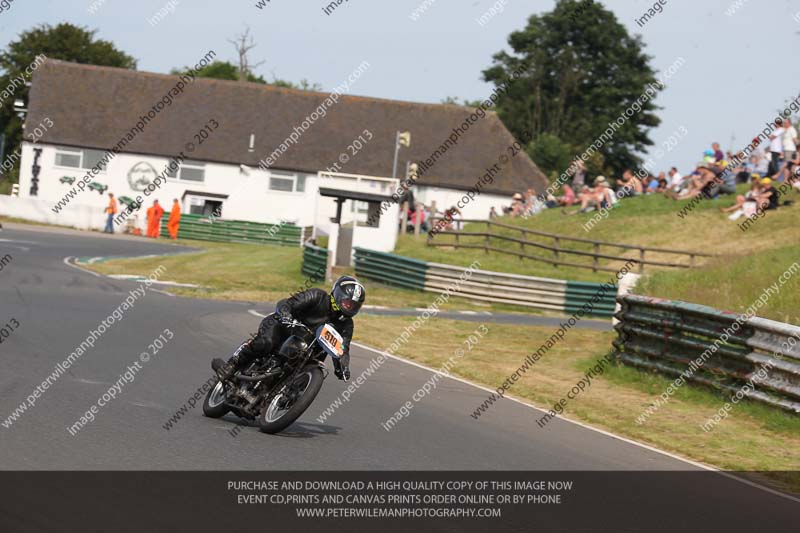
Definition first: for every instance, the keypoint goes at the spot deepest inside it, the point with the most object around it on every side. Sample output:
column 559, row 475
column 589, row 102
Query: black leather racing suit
column 311, row 307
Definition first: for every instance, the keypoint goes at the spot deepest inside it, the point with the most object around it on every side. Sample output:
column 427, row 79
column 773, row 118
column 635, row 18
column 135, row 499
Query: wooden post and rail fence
column 483, row 241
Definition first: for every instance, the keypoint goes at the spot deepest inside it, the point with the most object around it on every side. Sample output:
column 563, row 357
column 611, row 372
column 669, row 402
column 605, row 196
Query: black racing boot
column 225, row 370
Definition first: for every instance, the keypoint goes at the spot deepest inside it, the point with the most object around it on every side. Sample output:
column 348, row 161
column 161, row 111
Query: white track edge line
column 164, row 292
column 66, row 262
column 585, row 426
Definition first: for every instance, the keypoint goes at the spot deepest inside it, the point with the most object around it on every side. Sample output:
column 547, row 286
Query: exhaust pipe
column 257, row 377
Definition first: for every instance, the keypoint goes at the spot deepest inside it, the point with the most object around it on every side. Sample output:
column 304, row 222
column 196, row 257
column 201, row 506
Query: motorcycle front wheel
column 214, row 404
column 291, row 401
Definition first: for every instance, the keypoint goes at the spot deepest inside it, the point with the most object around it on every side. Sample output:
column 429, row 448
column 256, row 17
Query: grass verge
column 752, row 438
column 650, row 221
column 265, row 273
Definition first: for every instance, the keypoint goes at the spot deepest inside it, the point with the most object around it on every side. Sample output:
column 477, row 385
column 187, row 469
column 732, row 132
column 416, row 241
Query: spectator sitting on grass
column 550, row 201
column 675, row 179
column 517, row 205
column 568, row 198
column 703, row 182
column 745, row 204
column 585, row 197
column 598, row 197
column 652, row 184
column 663, row 183
column 768, row 199
column 631, row 185
column 750, row 166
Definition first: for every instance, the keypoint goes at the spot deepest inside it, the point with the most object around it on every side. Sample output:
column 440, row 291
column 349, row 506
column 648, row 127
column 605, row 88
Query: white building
column 256, row 152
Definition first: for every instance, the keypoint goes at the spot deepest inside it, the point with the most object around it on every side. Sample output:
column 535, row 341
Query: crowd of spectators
column 448, row 220
column 717, row 175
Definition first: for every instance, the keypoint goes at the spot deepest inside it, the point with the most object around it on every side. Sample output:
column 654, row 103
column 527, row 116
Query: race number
column 330, row 339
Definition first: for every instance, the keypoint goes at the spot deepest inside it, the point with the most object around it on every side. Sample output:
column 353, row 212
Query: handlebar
column 294, row 323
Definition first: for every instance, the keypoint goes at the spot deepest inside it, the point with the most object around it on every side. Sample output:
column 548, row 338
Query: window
column 287, row 182
column 85, row 159
column 92, row 158
column 187, row 171
column 193, row 171
column 172, row 170
column 357, row 206
column 68, row 158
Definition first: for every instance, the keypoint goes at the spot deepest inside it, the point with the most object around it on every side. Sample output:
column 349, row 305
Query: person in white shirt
column 675, row 179
column 789, row 140
column 776, row 147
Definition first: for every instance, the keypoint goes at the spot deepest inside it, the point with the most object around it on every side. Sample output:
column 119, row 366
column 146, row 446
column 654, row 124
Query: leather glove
column 286, row 320
column 341, row 372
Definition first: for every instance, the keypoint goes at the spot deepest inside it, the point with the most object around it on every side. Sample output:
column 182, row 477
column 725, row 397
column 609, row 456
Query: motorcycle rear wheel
column 276, row 417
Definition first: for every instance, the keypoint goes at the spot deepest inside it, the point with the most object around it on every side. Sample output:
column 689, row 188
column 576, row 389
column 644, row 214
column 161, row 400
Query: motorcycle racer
column 313, row 307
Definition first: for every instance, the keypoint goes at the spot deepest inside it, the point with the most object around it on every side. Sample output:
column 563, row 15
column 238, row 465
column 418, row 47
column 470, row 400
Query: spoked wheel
column 214, row 404
column 291, row 401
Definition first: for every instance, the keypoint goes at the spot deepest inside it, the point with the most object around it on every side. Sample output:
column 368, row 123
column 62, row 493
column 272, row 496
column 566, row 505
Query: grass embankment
column 262, row 273
column 752, row 438
column 749, row 261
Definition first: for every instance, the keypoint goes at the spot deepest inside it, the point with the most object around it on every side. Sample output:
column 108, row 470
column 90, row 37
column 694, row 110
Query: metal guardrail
column 483, row 285
column 315, row 262
column 556, row 249
column 669, row 336
column 203, row 228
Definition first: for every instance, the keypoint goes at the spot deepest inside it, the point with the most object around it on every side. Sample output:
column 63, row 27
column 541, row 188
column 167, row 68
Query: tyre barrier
column 203, row 228
column 754, row 357
column 484, row 285
column 315, row 261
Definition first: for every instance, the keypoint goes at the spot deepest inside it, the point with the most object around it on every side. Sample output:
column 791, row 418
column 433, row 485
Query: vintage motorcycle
column 276, row 390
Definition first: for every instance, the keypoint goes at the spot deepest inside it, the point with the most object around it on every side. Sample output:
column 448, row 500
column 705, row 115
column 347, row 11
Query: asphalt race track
column 56, row 305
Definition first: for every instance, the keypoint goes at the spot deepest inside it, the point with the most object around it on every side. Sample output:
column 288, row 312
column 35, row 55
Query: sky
column 737, row 70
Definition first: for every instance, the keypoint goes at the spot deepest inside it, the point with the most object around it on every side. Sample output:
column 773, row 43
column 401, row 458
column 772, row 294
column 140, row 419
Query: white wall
column 39, row 210
column 477, row 208
column 249, row 196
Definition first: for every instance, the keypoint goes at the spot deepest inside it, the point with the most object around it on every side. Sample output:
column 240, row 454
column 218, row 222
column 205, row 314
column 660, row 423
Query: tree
column 304, row 84
column 221, row 70
column 225, row 70
column 454, row 100
column 64, row 41
column 579, row 69
column 243, row 44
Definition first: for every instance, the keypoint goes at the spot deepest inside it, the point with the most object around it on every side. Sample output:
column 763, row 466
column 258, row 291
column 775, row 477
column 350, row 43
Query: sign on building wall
column 141, row 175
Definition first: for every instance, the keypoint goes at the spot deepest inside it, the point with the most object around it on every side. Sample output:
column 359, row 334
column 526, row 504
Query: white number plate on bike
column 330, row 340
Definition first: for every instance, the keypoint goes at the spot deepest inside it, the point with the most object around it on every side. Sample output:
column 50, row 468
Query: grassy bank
column 747, row 263
column 753, row 438
column 264, row 273
column 736, row 283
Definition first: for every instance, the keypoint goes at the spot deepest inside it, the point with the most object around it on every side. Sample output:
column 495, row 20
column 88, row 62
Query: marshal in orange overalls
column 174, row 220
column 154, row 215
